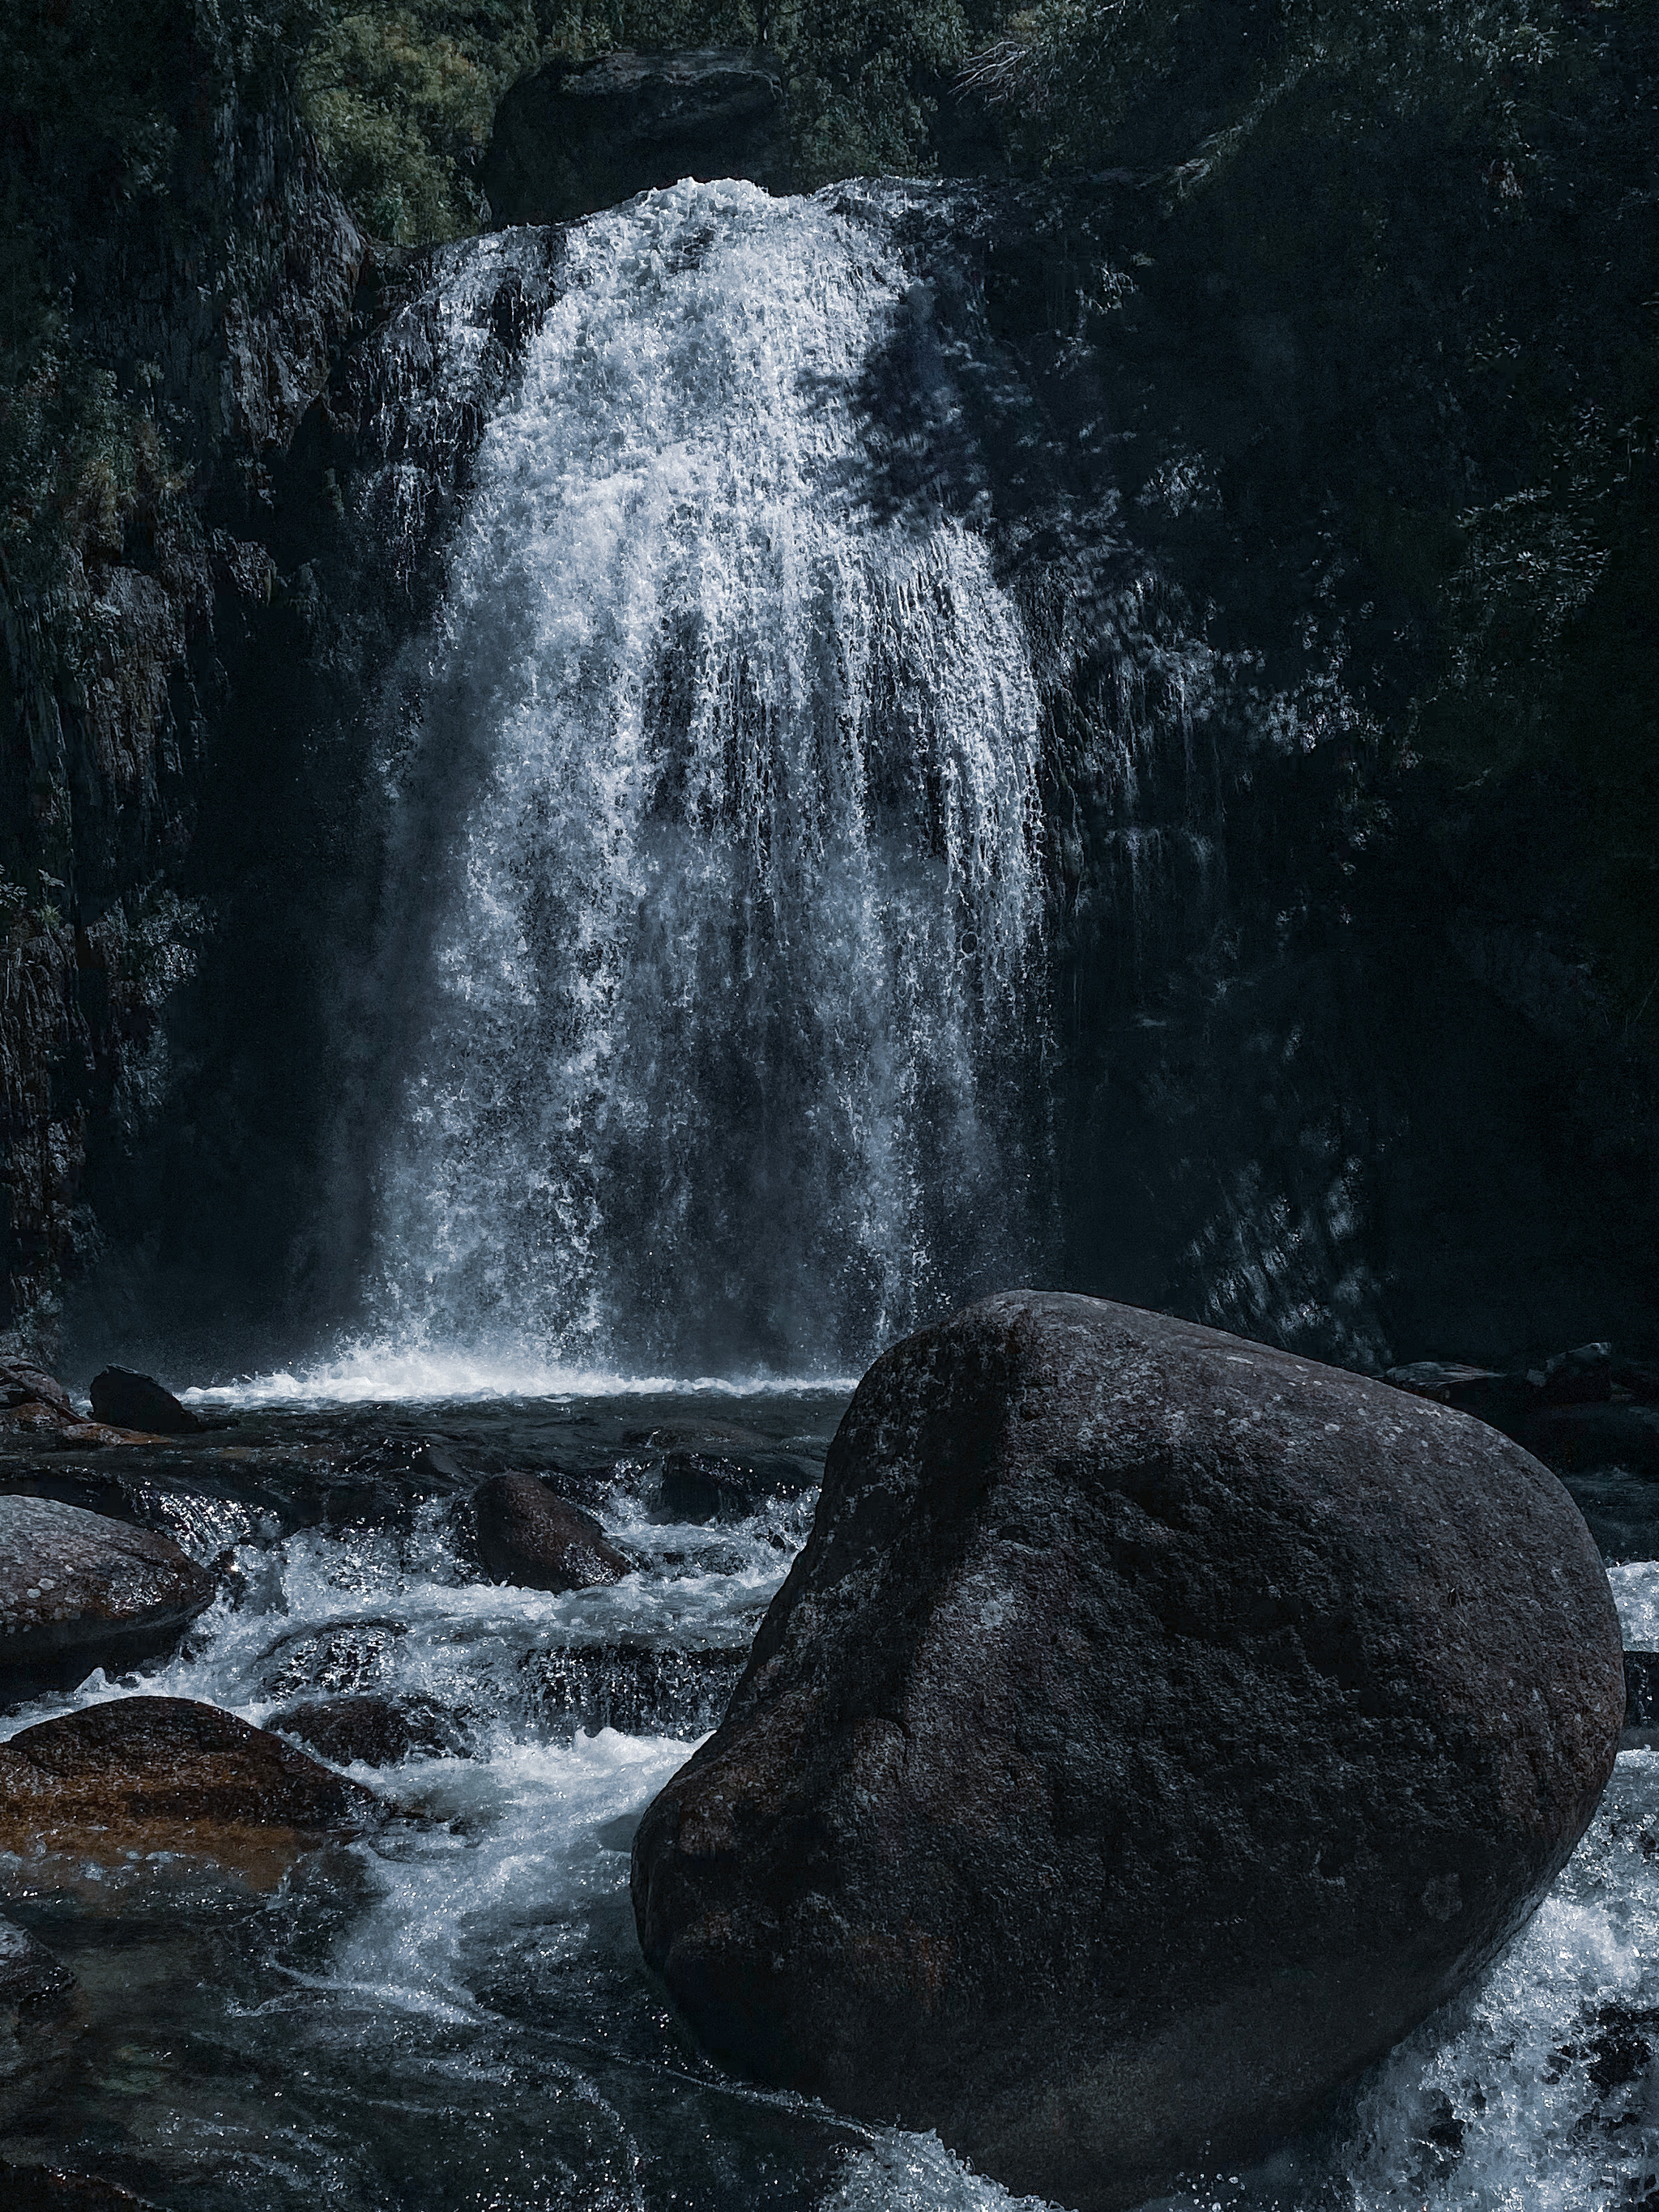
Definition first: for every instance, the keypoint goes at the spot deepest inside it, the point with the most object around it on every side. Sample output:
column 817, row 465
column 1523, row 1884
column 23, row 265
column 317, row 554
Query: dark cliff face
column 235, row 1203
column 1340, row 1062
column 1302, row 471
column 182, row 271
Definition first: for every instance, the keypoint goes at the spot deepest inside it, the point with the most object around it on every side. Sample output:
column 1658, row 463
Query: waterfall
column 718, row 829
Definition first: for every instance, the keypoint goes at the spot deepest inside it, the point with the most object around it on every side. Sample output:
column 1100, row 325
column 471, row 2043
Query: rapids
column 453, row 2013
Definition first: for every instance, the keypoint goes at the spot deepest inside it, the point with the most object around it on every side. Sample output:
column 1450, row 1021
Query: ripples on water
column 453, row 2013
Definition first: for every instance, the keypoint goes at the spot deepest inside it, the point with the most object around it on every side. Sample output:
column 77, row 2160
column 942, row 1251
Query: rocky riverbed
column 446, row 2006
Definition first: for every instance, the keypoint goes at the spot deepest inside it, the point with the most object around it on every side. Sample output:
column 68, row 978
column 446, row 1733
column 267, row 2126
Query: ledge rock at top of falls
column 569, row 141
column 1154, row 1729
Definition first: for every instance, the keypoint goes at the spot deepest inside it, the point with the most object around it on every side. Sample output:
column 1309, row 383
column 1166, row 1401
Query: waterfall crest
column 722, row 819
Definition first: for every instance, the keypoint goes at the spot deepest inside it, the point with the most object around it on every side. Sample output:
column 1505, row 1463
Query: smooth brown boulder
column 78, row 1590
column 529, row 1536
column 167, row 1774
column 1155, row 1728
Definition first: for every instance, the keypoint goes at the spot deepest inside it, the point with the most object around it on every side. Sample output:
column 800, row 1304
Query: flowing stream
column 451, row 2014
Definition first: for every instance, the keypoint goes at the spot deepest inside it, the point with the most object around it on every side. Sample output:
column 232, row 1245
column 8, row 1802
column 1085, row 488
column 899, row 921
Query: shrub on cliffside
column 402, row 92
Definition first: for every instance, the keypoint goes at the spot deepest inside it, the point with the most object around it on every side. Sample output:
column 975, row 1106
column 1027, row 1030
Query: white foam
column 1636, row 1593
column 393, row 1373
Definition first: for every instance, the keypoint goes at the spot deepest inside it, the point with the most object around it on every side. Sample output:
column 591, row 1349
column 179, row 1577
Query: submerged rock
column 528, row 1537
column 167, row 1774
column 1155, row 1728
column 28, row 1972
column 46, row 2189
column 79, row 1591
column 568, row 141
column 122, row 1399
column 705, row 1486
column 379, row 1731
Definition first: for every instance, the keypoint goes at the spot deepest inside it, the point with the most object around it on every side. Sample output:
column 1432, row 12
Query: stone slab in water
column 78, row 1591
column 1154, row 1729
column 566, row 142
column 529, row 1536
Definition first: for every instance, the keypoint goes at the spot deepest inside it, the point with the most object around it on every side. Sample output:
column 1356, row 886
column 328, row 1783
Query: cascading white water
column 731, row 765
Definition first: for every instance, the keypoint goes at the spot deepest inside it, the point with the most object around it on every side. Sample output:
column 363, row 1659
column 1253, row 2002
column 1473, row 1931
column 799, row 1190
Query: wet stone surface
column 79, row 1591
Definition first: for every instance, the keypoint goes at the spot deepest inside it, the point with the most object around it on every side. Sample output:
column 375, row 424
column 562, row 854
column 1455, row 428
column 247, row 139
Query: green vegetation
column 402, row 92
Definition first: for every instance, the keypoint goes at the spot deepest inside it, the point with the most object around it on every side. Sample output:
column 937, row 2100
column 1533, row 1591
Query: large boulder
column 78, row 1590
column 1153, row 1730
column 570, row 139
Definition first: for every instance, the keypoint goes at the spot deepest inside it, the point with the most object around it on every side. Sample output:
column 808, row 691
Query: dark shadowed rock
column 528, row 1537
column 379, row 1731
column 1154, row 1729
column 709, row 1486
column 568, row 141
column 1583, row 1376
column 79, row 1591
column 167, row 1774
column 125, row 1400
column 28, row 1972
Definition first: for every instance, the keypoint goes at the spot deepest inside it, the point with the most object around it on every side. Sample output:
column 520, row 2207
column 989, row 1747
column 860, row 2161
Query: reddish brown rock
column 79, row 1591
column 528, row 1537
column 1154, row 1729
column 166, row 1774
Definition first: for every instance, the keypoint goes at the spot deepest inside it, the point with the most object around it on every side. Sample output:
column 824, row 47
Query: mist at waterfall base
column 706, row 1042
